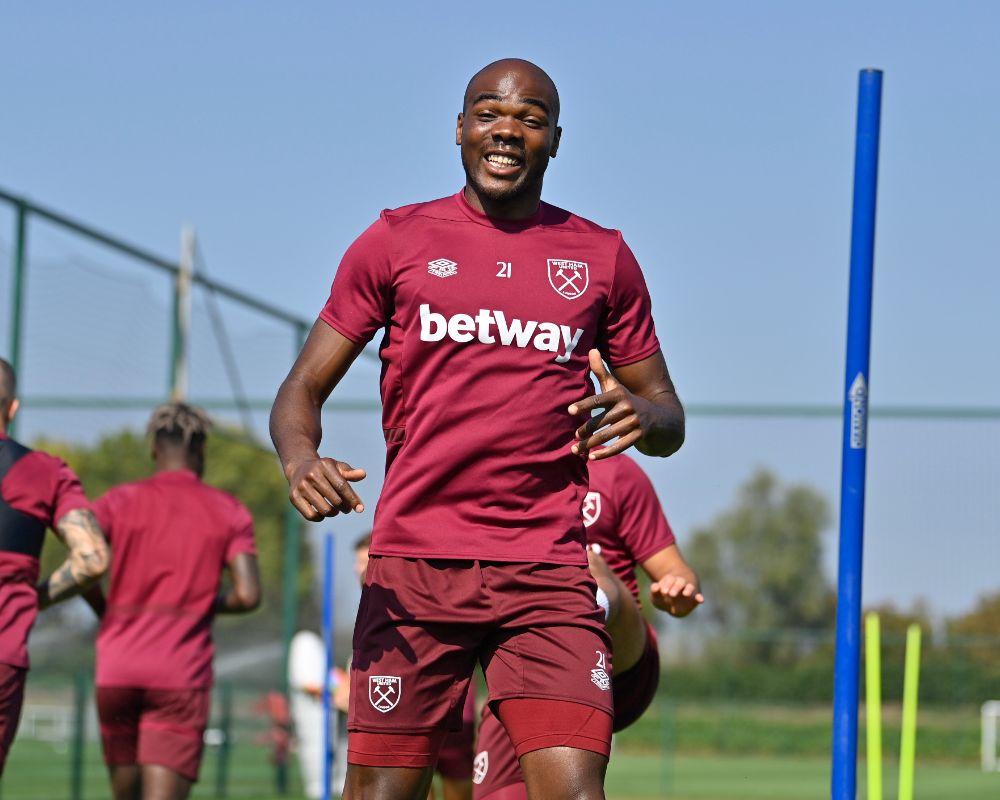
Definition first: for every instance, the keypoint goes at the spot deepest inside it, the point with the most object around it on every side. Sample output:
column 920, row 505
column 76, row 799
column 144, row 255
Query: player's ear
column 12, row 408
column 458, row 128
column 555, row 142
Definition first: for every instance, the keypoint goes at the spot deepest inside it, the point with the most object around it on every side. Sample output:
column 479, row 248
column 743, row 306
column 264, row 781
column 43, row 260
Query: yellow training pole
column 873, row 704
column 908, row 743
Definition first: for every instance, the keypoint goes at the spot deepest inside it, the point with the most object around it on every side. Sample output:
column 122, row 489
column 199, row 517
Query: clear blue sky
column 717, row 135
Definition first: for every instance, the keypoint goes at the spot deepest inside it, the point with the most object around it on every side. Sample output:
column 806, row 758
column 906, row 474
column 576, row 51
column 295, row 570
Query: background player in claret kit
column 626, row 528
column 493, row 307
column 37, row 491
column 172, row 539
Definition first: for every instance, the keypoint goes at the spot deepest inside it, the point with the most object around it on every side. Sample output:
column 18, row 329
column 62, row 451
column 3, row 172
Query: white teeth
column 502, row 161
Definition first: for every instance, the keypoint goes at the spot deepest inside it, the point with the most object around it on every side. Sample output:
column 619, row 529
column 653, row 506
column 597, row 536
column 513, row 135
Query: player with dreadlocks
column 172, row 537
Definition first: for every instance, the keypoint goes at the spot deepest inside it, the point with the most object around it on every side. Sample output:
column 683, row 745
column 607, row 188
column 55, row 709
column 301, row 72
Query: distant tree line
column 770, row 617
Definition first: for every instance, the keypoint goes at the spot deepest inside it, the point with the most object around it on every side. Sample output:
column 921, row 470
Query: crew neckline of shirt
column 183, row 472
column 509, row 225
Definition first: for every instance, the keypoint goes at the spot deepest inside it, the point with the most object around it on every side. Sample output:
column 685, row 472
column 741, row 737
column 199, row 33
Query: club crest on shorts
column 384, row 691
column 599, row 674
column 591, row 508
column 480, row 767
column 569, row 278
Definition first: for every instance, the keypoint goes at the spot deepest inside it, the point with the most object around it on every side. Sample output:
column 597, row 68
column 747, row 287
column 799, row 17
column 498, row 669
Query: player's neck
column 523, row 206
column 170, row 461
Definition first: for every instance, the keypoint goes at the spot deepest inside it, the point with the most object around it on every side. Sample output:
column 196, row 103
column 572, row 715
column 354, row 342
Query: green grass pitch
column 38, row 771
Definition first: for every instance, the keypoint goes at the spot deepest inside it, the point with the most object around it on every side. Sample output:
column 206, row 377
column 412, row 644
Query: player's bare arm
column 638, row 405
column 94, row 597
column 86, row 562
column 318, row 487
column 243, row 594
column 624, row 619
column 675, row 587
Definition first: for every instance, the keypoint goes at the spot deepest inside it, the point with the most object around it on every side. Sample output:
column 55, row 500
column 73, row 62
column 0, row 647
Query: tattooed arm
column 86, row 562
column 244, row 592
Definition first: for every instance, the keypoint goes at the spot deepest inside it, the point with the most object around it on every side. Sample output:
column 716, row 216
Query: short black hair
column 364, row 542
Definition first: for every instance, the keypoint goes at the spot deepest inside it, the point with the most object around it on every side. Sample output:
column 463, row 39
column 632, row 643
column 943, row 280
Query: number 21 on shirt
column 504, row 269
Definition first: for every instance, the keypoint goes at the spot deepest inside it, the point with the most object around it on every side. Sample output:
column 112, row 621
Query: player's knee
column 387, row 783
column 564, row 773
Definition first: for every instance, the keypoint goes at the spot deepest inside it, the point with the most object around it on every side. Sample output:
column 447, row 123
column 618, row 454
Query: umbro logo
column 442, row 267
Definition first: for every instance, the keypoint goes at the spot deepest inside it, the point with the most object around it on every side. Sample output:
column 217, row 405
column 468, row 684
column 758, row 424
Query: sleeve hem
column 654, row 549
column 625, row 361
column 342, row 329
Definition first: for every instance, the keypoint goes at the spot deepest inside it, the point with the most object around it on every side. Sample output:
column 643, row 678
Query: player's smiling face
column 508, row 133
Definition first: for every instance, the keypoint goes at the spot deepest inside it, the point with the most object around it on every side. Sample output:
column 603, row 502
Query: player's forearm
column 94, row 596
column 244, row 593
column 665, row 430
column 232, row 601
column 296, row 425
column 87, row 561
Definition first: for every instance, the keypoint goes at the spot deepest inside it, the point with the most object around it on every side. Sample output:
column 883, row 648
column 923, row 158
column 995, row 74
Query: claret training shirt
column 42, row 487
column 171, row 536
column 487, row 326
column 623, row 515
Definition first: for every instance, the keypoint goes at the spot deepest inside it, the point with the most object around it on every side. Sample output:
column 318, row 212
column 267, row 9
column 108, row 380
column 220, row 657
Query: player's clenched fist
column 676, row 594
column 321, row 487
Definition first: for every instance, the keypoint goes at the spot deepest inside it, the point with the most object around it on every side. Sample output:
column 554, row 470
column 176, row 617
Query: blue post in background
column 852, row 489
column 328, row 583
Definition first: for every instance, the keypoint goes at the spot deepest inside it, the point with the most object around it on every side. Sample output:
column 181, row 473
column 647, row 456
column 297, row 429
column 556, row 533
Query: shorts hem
column 193, row 777
column 576, row 741
column 386, row 760
column 607, row 709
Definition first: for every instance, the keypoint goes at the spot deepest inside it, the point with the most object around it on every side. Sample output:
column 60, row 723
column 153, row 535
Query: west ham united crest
column 591, row 508
column 568, row 278
column 480, row 767
column 384, row 691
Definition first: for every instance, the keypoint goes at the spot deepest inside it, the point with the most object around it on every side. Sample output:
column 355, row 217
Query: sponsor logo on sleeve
column 591, row 509
column 570, row 279
column 384, row 691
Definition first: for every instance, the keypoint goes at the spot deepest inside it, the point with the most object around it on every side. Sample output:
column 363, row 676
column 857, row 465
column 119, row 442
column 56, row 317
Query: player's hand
column 676, row 594
column 625, row 415
column 321, row 487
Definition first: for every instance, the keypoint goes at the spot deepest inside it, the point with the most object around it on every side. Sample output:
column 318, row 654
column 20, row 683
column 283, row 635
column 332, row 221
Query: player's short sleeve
column 68, row 494
column 104, row 508
column 627, row 332
column 44, row 487
column 241, row 539
column 642, row 525
column 360, row 301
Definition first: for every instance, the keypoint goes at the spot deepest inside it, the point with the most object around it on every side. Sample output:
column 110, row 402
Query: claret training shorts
column 423, row 624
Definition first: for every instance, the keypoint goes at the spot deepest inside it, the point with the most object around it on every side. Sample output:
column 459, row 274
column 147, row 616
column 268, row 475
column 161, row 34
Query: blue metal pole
column 328, row 582
column 852, row 489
